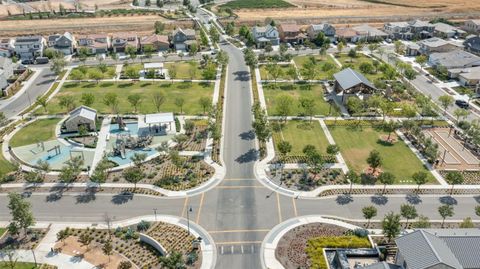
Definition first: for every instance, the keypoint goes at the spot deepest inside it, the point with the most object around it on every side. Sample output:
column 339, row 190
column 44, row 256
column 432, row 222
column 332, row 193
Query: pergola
column 157, row 122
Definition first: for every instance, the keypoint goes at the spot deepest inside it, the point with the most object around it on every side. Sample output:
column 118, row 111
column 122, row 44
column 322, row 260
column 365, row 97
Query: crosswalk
column 238, row 249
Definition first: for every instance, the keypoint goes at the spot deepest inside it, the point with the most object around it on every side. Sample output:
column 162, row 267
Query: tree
column 77, row 75
column 62, row 235
column 399, row 47
column 284, row 105
column 445, row 211
column 366, row 68
column 95, row 75
column 369, row 212
column 135, row 100
column 131, row 51
column 21, row 213
column 419, row 178
column 85, row 239
column 292, row 73
column 193, row 49
column 410, row 73
column 125, row 264
column 460, row 113
column 260, row 125
column 354, row 178
column 67, row 102
column 390, row 127
column 421, row 60
column 374, row 160
column 250, row 57
column 333, row 150
column 189, row 126
column 222, row 57
column 230, row 28
column 308, row 106
column 446, row 101
column 8, row 254
column 214, row 35
column 210, row 71
column 205, row 103
column 408, row 212
column 172, row 261
column 110, row 99
column 87, row 98
column 477, row 210
column 467, row 223
column 158, row 99
column 44, row 167
column 133, row 175
column 100, row 173
column 275, row 71
column 386, row 178
column 172, row 72
column 314, row 159
column 108, row 248
column 179, row 102
column 138, row 159
column 58, row 65
column 42, row 101
column 284, row 147
column 340, row 47
column 453, row 178
column 203, row 38
column 391, row 226
column 422, row 222
column 352, row 54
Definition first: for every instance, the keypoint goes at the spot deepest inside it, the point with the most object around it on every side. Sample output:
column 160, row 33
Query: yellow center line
column 294, row 207
column 200, row 207
column 238, row 242
column 239, row 231
column 279, row 208
column 184, row 207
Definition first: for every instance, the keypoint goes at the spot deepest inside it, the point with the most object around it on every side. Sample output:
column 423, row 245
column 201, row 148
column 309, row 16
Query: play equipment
column 77, row 151
column 126, row 141
column 56, row 151
column 121, row 124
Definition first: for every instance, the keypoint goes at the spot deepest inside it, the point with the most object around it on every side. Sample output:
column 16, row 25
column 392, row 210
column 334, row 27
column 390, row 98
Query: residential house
column 95, row 44
column 327, row 29
column 158, row 42
column 409, row 30
column 264, row 35
column 472, row 26
column 439, row 249
column 435, row 44
column 65, row 43
column 466, row 76
column 454, row 59
column 7, row 47
column 120, row 41
column 6, row 71
column 444, row 30
column 472, row 44
column 421, row 29
column 182, row 39
column 366, row 32
column 349, row 82
column 412, row 49
column 81, row 116
column 290, row 33
column 346, row 34
column 29, row 47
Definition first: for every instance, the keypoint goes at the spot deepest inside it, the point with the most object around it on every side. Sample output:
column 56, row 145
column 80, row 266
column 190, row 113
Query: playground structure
column 126, row 141
column 56, row 149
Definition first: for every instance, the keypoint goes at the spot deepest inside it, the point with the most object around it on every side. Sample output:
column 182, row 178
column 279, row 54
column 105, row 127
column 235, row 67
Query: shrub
column 143, row 226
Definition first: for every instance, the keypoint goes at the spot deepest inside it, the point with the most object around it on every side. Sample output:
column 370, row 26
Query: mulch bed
column 22, row 241
column 305, row 179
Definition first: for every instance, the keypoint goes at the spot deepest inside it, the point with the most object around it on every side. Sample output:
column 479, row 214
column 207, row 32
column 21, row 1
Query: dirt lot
column 357, row 11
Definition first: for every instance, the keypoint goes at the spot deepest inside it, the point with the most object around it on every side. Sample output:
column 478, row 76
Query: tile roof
column 154, row 38
column 290, row 27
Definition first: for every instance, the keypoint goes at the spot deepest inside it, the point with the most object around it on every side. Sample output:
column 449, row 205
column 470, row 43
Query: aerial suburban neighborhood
column 263, row 134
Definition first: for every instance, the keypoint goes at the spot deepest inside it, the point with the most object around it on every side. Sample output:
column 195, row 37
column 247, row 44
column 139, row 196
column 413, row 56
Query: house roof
column 477, row 22
column 348, row 78
column 368, row 30
column 422, row 249
column 187, row 32
column 455, row 59
column 159, row 118
column 446, row 28
column 381, row 265
column 320, row 27
column 399, row 24
column 84, row 112
column 419, row 23
column 154, row 38
column 472, row 42
column 346, row 32
column 434, row 42
column 290, row 27
column 153, row 65
column 28, row 39
column 125, row 35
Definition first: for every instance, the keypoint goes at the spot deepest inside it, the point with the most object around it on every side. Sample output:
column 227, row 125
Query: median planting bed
column 191, row 93
column 275, row 92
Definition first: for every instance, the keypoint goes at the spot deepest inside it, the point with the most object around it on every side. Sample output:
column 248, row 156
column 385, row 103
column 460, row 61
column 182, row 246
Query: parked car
column 28, row 61
column 462, row 103
column 41, row 60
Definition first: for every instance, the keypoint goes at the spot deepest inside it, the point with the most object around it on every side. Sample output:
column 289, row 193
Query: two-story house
column 421, row 29
column 409, row 30
column 472, row 44
column 444, row 30
column 182, row 39
column 435, row 44
column 29, row 47
column 65, row 43
column 6, row 71
column 120, row 41
column 290, row 33
column 7, row 47
column 158, row 42
column 472, row 26
column 264, row 35
column 95, row 44
column 327, row 29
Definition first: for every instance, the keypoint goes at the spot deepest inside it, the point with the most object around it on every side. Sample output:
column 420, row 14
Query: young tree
column 453, row 178
column 173, row 261
column 374, row 160
column 138, row 159
column 284, row 147
column 67, row 102
column 477, row 210
column 284, row 105
column 172, row 73
column 189, row 126
column 100, row 173
column 21, row 213
column 391, row 226
column 419, row 178
column 340, row 47
column 110, row 99
column 158, row 99
column 135, row 100
column 274, row 71
column 314, row 159
column 108, row 248
column 446, row 101
column 87, row 99
column 205, row 103
column 250, row 57
column 308, row 106
column 214, row 35
column 44, row 167
column 333, row 150
column 369, row 212
column 85, row 239
column 354, row 178
column 260, row 125
column 42, row 101
column 133, row 175
column 62, row 235
column 179, row 102
column 58, row 65
column 460, row 113
column 445, row 211
column 125, row 264
column 292, row 73
column 386, row 178
column 408, row 212
column 421, row 60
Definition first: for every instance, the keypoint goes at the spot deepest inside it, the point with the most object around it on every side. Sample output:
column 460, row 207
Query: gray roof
column 472, row 42
column 434, row 42
column 369, row 30
column 348, row 78
column 381, row 265
column 84, row 112
column 422, row 249
column 455, row 59
column 446, row 28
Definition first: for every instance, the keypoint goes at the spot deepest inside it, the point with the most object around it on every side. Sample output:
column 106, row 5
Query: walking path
column 340, row 161
column 100, row 150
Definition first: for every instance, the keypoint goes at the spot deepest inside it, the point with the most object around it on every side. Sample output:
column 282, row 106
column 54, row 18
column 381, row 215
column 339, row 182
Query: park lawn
column 302, row 133
column 238, row 4
column 20, row 265
column 183, row 70
column 296, row 91
column 356, row 62
column 2, row 231
column 190, row 92
column 39, row 130
column 5, row 168
column 265, row 76
column 321, row 60
column 356, row 143
column 107, row 75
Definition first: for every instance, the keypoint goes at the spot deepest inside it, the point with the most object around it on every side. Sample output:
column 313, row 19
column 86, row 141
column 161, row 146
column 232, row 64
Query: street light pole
column 34, row 258
column 188, row 219
column 155, row 212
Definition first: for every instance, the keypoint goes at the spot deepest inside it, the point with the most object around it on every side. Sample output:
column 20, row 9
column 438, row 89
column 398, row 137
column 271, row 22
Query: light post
column 155, row 212
column 188, row 219
column 34, row 258
column 28, row 95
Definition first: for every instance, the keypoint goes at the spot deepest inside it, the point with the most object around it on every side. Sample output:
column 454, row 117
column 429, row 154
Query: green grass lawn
column 321, row 60
column 302, row 133
column 19, row 265
column 296, row 91
column 2, row 231
column 40, row 130
column 356, row 144
column 237, row 4
column 5, row 168
column 356, row 62
column 266, row 76
column 190, row 92
column 89, row 69
column 183, row 70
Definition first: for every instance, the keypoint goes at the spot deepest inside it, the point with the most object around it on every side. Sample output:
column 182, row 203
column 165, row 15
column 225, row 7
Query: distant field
column 239, row 4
